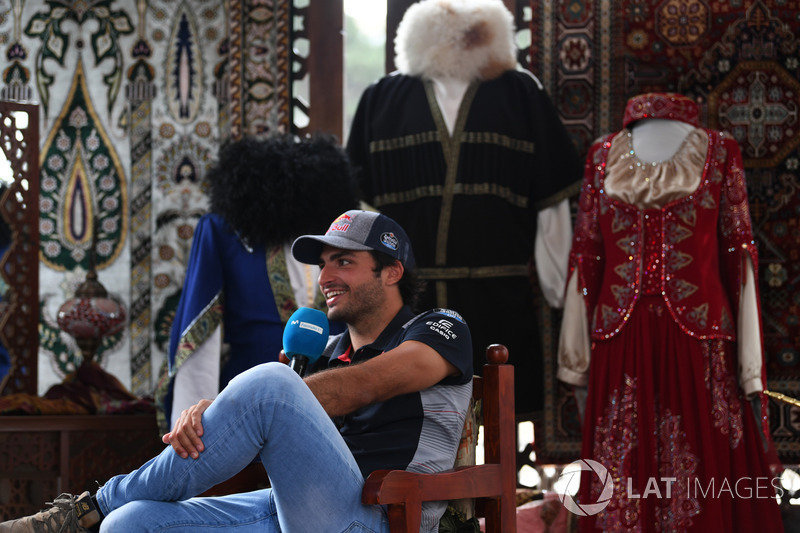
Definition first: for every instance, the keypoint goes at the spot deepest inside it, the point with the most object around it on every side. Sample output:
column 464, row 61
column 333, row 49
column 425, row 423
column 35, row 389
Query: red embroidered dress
column 660, row 257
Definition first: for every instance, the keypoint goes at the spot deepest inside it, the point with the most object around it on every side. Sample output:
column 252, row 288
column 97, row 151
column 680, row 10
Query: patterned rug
column 739, row 60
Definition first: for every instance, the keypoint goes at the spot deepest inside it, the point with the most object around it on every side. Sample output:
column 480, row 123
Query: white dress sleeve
column 749, row 333
column 574, row 348
column 551, row 251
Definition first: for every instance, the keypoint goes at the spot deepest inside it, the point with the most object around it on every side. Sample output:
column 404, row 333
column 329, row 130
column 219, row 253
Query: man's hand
column 185, row 436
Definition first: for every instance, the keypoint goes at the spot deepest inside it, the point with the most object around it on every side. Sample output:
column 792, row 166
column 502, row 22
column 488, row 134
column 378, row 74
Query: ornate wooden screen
column 19, row 266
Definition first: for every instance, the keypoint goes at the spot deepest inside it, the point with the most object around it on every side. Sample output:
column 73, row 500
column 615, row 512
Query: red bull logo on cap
column 341, row 223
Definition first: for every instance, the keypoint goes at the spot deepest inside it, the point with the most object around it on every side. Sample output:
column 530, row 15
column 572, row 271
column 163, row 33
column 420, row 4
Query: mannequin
column 554, row 225
column 658, row 139
column 242, row 283
column 467, row 152
column 662, row 323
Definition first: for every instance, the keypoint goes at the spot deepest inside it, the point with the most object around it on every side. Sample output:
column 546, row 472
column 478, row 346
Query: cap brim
column 308, row 248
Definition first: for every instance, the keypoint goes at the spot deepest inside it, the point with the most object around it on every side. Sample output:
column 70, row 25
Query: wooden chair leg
column 402, row 518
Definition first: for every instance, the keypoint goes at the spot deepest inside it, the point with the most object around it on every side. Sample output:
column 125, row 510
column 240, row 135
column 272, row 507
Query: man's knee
column 130, row 518
column 272, row 371
column 270, row 378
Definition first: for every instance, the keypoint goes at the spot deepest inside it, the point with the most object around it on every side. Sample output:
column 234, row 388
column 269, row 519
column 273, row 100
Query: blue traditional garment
column 245, row 290
column 242, row 284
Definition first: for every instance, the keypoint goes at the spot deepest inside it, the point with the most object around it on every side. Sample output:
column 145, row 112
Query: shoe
column 69, row 514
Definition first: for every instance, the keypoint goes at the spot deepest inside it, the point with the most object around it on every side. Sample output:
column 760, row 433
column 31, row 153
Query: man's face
column 352, row 288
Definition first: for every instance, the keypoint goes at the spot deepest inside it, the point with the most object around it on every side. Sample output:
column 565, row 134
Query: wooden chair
column 492, row 484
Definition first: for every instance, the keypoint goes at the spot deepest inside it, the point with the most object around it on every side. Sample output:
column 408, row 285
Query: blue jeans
column 267, row 411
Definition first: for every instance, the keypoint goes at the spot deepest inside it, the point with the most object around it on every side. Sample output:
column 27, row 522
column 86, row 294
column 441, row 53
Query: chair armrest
column 399, row 486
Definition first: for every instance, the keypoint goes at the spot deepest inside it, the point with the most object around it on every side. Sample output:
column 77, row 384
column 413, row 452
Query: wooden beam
column 326, row 66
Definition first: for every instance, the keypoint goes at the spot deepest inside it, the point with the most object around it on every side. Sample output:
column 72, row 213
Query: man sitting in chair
column 394, row 395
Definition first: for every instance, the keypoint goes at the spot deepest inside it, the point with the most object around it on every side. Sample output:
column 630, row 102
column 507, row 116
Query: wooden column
column 326, row 66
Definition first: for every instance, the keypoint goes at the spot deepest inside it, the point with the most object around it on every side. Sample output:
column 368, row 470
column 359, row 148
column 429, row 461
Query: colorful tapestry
column 740, row 61
column 135, row 99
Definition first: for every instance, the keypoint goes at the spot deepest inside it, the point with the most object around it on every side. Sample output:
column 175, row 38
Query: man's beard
column 362, row 302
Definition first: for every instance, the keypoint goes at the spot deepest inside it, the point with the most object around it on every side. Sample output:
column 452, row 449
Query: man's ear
column 393, row 273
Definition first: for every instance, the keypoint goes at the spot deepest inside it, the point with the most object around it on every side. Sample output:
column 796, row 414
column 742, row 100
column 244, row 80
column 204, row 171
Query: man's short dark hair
column 411, row 287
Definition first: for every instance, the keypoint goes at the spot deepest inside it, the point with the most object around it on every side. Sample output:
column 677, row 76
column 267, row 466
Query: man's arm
column 412, row 366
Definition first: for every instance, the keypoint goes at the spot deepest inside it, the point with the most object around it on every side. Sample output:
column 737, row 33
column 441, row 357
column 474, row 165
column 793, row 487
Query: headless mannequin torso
column 658, row 139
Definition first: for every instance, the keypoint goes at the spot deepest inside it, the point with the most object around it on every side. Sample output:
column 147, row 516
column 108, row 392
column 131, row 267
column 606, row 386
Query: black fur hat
column 273, row 190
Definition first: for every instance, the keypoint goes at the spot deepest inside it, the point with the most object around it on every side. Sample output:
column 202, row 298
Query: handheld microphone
column 305, row 337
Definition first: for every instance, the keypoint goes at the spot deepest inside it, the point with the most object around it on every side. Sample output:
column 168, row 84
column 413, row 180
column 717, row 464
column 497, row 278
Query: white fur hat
column 463, row 39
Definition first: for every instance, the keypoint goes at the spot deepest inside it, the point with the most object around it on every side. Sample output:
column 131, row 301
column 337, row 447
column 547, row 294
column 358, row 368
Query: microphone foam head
column 306, row 333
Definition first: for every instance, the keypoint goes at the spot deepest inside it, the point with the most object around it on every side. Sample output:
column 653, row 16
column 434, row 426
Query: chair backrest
column 492, row 484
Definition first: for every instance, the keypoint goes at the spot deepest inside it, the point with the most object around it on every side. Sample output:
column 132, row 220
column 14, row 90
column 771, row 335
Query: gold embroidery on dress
column 622, row 295
column 680, row 289
column 615, row 440
column 603, row 205
column 615, row 448
column 687, row 213
column 677, row 260
column 621, row 222
column 726, row 320
column 609, row 316
column 707, row 201
column 676, row 461
column 626, row 271
column 628, row 243
column 726, row 409
column 699, row 315
column 675, row 233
